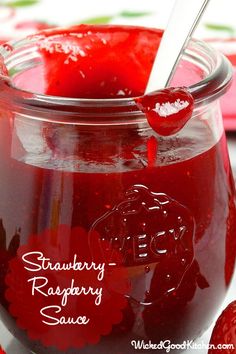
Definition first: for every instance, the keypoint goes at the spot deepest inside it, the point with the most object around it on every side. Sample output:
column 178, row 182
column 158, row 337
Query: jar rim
column 206, row 90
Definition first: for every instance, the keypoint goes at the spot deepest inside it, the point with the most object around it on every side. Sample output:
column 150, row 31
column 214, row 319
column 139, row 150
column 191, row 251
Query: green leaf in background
column 98, row 20
column 12, row 72
column 108, row 18
column 133, row 14
column 224, row 28
column 21, row 3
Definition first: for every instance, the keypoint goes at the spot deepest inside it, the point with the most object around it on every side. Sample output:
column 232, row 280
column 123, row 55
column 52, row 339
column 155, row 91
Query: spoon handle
column 182, row 22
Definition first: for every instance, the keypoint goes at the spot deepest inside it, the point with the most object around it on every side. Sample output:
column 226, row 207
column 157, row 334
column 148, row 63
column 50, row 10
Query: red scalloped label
column 64, row 291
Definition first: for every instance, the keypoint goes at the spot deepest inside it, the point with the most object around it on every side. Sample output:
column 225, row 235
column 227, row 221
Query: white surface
column 221, row 12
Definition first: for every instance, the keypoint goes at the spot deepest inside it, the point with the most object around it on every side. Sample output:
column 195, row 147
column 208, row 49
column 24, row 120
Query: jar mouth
column 216, row 77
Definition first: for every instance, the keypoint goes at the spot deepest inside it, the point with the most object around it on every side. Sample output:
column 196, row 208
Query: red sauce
column 165, row 205
column 98, row 62
column 167, row 110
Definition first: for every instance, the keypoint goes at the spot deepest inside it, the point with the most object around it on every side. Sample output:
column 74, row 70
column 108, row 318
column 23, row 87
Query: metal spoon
column 183, row 21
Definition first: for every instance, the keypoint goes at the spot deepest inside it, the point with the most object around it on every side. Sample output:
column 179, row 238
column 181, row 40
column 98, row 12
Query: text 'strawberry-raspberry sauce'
column 161, row 205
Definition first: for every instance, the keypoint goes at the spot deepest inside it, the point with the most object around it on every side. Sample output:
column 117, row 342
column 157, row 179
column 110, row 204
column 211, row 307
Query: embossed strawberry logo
column 155, row 234
column 167, row 110
column 224, row 332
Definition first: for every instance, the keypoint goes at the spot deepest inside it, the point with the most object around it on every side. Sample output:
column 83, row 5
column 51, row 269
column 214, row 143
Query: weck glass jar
column 111, row 235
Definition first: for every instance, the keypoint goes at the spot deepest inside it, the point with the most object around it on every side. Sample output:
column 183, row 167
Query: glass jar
column 112, row 235
column 228, row 48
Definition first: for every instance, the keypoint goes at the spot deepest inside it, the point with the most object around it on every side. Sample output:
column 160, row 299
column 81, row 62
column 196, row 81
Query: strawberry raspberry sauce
column 165, row 205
